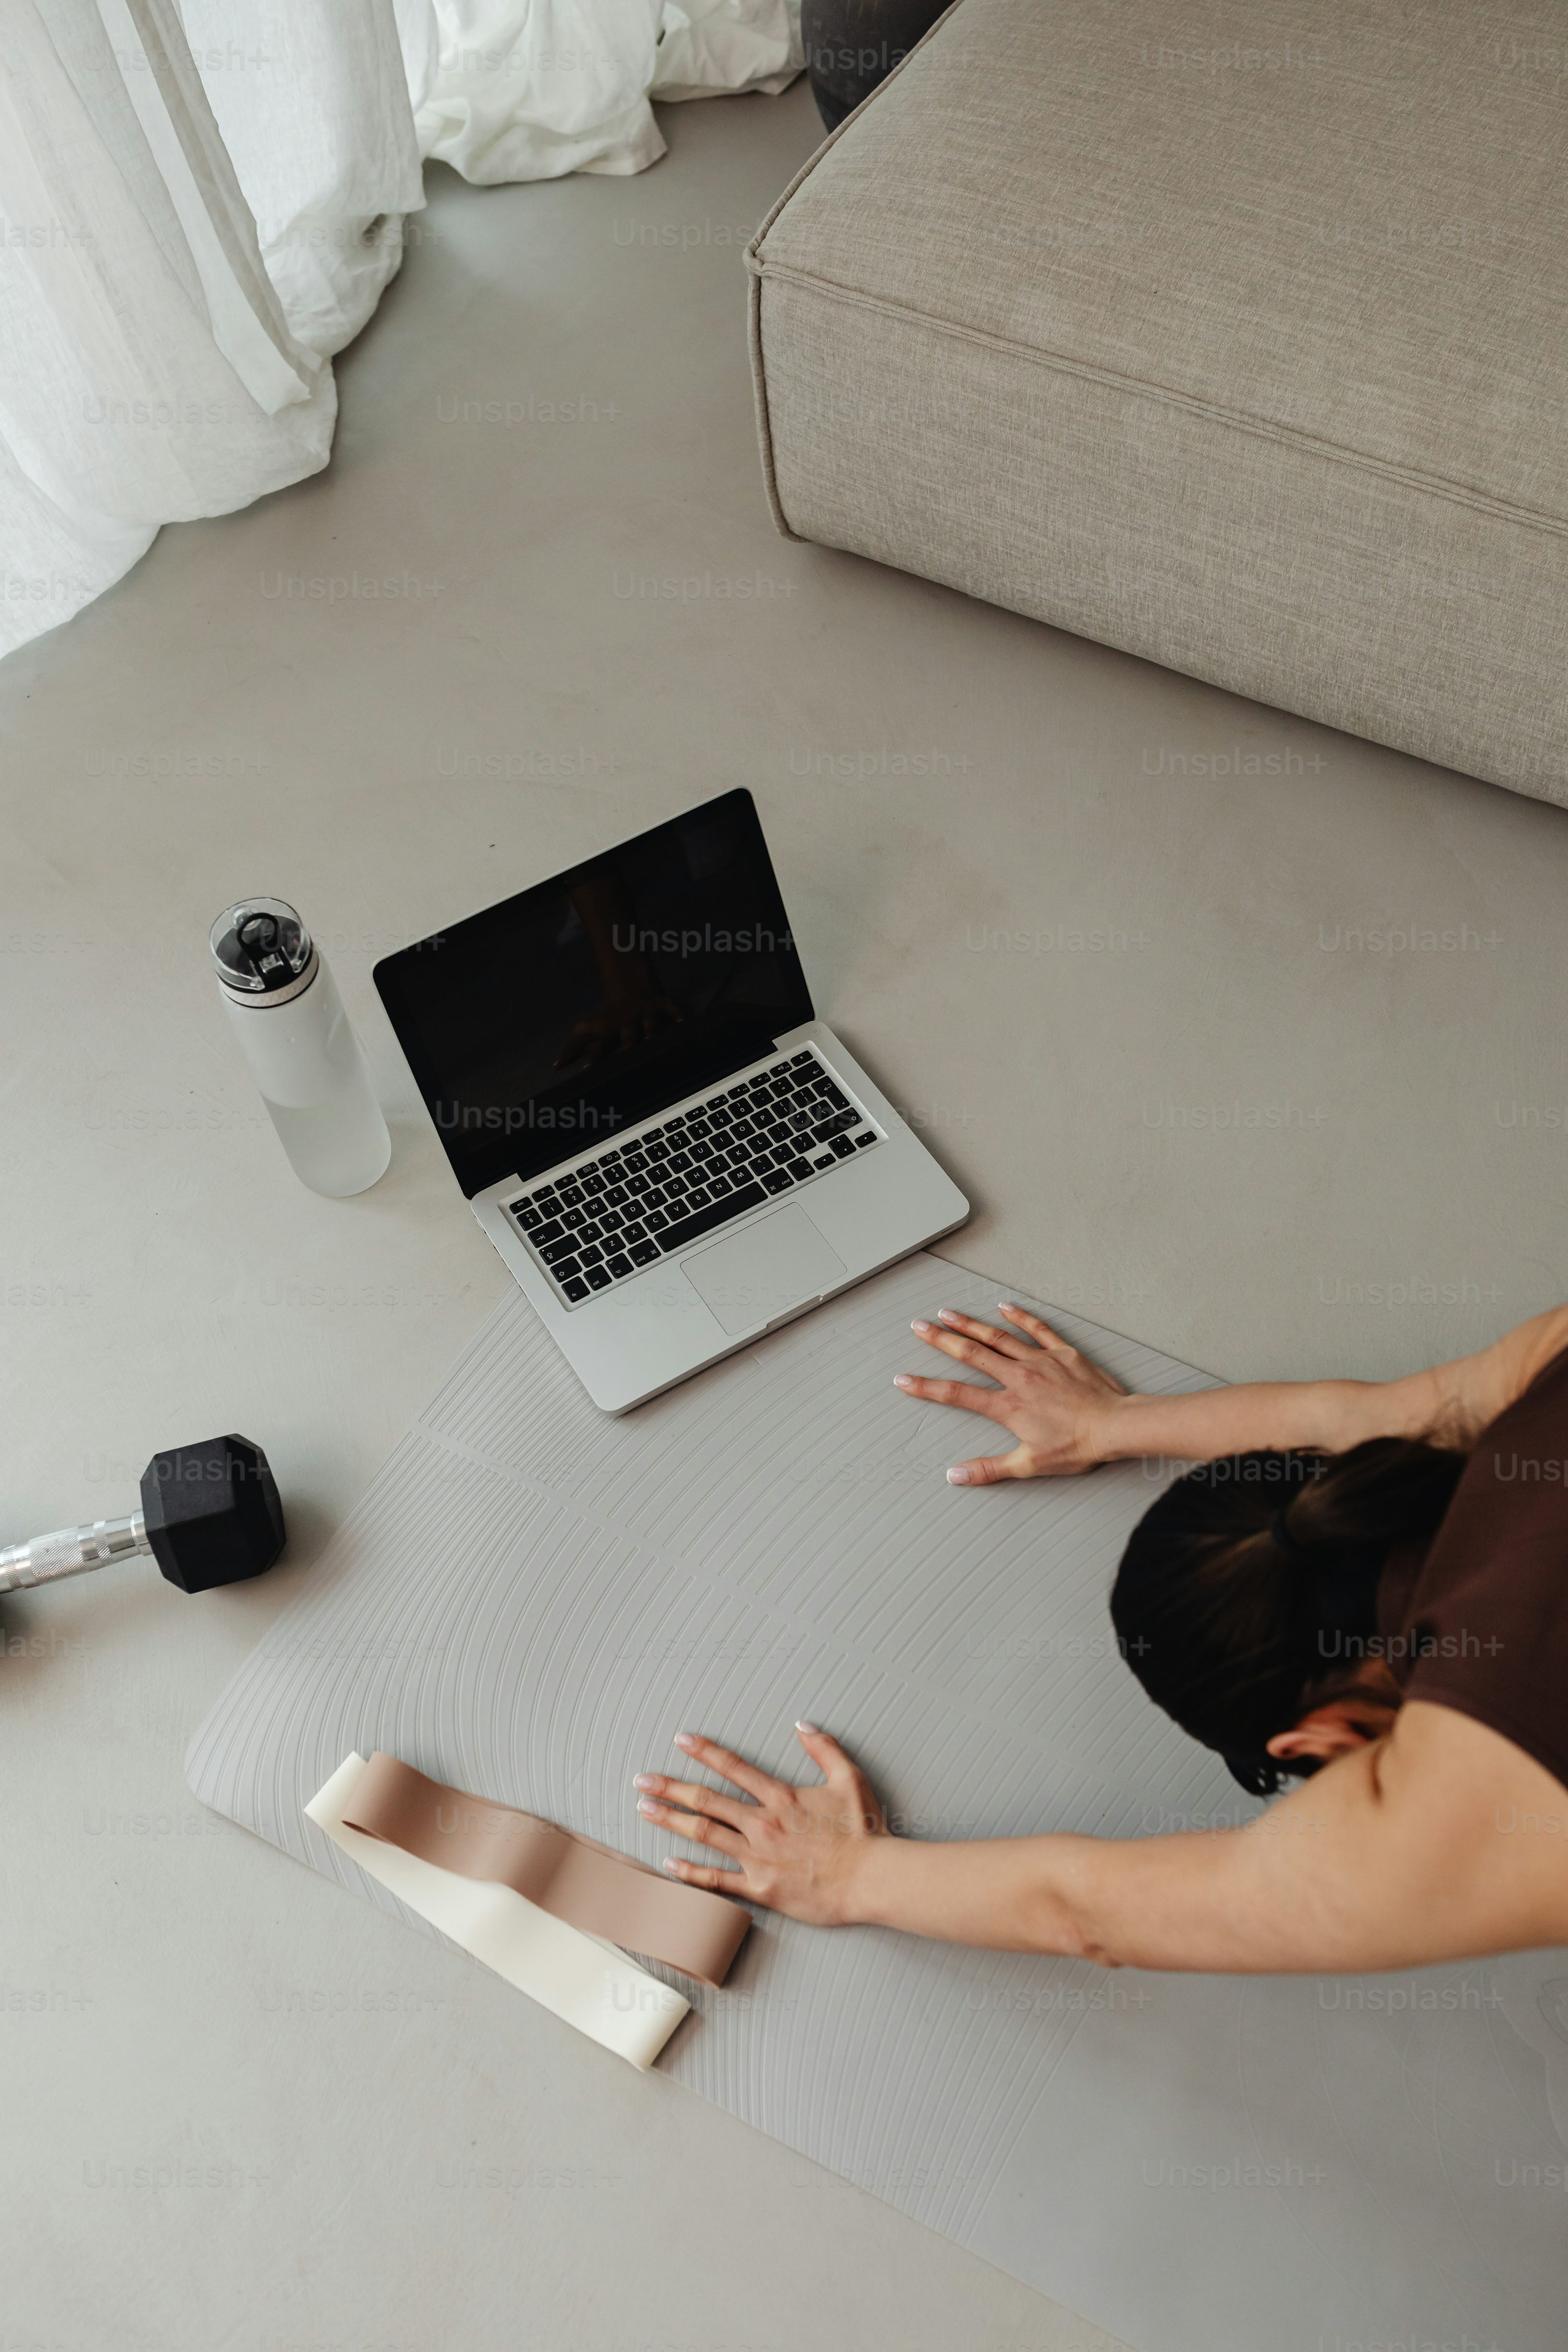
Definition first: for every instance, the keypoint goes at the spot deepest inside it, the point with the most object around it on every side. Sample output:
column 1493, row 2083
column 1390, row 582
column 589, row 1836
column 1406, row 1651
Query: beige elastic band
column 588, row 1885
column 587, row 1983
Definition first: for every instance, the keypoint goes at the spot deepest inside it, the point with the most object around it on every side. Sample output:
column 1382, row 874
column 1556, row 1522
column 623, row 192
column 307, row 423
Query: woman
column 1364, row 1585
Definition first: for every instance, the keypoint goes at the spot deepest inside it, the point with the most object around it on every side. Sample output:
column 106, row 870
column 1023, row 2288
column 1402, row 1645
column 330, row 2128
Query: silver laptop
column 670, row 1151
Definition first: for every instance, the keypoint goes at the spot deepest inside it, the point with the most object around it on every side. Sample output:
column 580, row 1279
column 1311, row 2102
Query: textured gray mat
column 531, row 1600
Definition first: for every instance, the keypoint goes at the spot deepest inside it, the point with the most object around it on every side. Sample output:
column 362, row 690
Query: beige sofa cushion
column 1245, row 351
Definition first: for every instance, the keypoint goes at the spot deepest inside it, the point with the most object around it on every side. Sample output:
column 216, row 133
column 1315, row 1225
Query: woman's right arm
column 1403, row 1853
column 1066, row 1415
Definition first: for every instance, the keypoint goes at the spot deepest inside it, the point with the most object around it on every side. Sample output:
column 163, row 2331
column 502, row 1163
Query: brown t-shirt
column 1480, row 1622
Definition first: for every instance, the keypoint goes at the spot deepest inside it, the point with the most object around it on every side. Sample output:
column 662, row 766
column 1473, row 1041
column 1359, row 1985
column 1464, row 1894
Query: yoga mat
column 532, row 1599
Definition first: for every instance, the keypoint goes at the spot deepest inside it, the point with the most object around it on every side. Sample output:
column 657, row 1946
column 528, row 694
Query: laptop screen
column 544, row 1024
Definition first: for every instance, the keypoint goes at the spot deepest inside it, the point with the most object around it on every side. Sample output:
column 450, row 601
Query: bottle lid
column 259, row 946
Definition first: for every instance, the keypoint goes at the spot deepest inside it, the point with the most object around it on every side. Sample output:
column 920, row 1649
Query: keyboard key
column 799, row 1168
column 590, row 1232
column 680, row 1160
column 653, row 1197
column 591, row 1254
column 718, row 1186
column 572, row 1196
column 637, row 1161
column 554, row 1252
column 834, row 1095
column 566, row 1269
column 531, row 1219
column 698, row 1126
column 742, row 1126
column 644, row 1252
column 705, row 1152
column 635, row 1233
column 676, row 1126
column 841, row 1147
column 717, row 1212
column 597, row 1278
column 549, row 1233
column 804, row 1056
column 839, row 1122
column 609, row 1160
column 860, row 1141
column 575, row 1287
column 655, row 1221
column 619, row 1264
column 657, row 1152
column 777, row 1180
column 697, row 1197
column 545, row 1200
column 799, row 1122
column 616, row 1195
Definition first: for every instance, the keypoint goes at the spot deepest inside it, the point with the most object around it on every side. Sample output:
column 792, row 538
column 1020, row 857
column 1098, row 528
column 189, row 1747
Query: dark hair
column 1233, row 1580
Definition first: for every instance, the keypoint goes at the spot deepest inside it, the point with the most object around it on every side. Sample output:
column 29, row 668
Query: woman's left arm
column 1410, row 1851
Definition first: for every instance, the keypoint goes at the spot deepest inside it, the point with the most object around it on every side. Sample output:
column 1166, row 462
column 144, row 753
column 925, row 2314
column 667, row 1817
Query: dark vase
column 852, row 45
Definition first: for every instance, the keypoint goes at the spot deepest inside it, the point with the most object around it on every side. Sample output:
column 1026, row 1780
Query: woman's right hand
column 1054, row 1401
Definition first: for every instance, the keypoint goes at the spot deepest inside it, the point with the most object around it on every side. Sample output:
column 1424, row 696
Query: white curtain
column 201, row 203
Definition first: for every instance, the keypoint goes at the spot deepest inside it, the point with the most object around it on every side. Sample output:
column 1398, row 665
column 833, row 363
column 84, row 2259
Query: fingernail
column 945, row 1315
column 643, row 1781
column 809, row 1728
column 685, row 1739
column 647, row 1808
column 919, row 1326
column 958, row 1477
column 668, row 1864
column 902, row 1380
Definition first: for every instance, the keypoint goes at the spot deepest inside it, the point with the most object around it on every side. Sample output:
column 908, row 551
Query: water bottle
column 284, row 1007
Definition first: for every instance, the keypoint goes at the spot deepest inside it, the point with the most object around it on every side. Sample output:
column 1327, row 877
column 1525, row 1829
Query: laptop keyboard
column 627, row 1208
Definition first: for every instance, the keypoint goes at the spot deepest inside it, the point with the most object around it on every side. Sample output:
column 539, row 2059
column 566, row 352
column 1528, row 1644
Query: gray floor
column 1262, row 1062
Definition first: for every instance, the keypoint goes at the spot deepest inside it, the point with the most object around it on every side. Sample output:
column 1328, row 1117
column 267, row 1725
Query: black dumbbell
column 210, row 1514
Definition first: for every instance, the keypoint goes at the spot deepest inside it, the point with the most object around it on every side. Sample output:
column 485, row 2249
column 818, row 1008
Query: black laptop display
column 544, row 1024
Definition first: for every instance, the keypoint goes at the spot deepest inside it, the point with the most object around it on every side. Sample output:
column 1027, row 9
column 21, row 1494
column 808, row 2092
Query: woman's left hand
column 798, row 1851
column 1055, row 1403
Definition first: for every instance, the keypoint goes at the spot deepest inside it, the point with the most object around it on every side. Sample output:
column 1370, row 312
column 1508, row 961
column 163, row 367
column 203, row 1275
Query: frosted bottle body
column 283, row 1006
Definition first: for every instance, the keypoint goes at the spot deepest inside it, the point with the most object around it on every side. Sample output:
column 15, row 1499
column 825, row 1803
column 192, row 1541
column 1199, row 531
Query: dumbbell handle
column 71, row 1551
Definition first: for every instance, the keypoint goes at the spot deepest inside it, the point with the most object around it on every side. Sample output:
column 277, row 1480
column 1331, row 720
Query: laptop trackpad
column 762, row 1272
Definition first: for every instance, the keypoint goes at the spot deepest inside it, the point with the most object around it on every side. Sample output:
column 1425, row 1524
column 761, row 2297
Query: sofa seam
column 754, row 269
column 837, row 133
column 764, row 414
column 1290, row 437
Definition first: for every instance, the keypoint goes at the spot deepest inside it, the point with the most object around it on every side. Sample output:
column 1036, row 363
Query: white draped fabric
column 200, row 202
column 529, row 88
